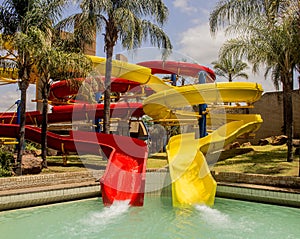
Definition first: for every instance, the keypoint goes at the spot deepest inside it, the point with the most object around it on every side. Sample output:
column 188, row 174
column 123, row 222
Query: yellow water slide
column 192, row 182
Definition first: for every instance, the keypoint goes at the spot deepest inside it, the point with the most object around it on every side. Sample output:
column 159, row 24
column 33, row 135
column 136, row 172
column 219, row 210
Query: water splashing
column 213, row 216
column 108, row 214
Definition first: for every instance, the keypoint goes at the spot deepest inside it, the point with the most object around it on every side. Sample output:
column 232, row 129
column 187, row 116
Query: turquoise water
column 157, row 219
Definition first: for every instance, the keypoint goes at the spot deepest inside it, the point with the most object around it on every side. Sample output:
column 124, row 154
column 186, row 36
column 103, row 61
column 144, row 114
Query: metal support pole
column 202, row 108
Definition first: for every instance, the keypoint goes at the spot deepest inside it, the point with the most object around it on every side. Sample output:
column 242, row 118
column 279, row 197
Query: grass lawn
column 74, row 163
column 158, row 160
column 82, row 163
column 270, row 160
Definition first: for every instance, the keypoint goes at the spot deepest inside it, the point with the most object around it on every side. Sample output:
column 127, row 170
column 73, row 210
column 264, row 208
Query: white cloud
column 184, row 6
column 197, row 43
column 10, row 94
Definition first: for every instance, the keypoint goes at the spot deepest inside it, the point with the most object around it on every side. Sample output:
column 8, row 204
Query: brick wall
column 273, row 116
column 48, row 179
column 274, row 181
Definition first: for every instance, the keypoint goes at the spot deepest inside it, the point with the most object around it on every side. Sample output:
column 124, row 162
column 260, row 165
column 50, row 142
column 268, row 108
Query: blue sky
column 188, row 30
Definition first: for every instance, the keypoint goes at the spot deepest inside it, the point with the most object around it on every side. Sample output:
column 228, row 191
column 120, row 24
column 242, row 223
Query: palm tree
column 268, row 36
column 15, row 25
column 230, row 68
column 53, row 63
column 131, row 22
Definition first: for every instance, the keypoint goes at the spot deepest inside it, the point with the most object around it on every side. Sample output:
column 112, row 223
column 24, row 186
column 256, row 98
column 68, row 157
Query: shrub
column 6, row 163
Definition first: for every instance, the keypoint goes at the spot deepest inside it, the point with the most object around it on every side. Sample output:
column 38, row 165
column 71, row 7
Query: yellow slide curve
column 192, row 182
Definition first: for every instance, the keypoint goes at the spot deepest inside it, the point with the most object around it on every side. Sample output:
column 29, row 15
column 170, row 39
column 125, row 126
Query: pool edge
column 157, row 184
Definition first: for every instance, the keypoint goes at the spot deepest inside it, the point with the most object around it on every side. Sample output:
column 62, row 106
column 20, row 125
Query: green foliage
column 6, row 162
column 29, row 26
column 147, row 120
column 266, row 33
column 31, row 146
column 129, row 22
column 230, row 67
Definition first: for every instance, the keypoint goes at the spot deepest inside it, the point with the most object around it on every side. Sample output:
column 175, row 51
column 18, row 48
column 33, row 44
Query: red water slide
column 179, row 68
column 124, row 178
column 67, row 113
column 62, row 91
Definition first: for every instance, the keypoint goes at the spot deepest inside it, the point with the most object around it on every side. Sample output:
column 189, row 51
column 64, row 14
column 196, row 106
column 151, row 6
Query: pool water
column 156, row 219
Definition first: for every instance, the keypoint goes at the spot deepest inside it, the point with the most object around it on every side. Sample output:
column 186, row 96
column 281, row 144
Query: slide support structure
column 202, row 108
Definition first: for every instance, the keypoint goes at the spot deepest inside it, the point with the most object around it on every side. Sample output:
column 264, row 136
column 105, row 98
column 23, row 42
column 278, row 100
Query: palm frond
column 228, row 11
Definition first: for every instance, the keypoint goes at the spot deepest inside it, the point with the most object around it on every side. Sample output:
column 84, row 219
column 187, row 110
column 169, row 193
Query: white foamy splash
column 108, row 214
column 214, row 217
column 97, row 221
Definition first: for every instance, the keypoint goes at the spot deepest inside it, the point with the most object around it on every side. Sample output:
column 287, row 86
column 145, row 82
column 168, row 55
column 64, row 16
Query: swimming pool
column 156, row 219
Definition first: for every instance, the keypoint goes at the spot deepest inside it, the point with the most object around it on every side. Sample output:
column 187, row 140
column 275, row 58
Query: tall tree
column 130, row 22
column 230, row 67
column 52, row 64
column 15, row 26
column 267, row 34
column 52, row 61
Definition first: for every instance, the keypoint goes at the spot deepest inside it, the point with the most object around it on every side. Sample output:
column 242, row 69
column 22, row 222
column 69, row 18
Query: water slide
column 124, row 178
column 178, row 68
column 62, row 92
column 68, row 113
column 192, row 182
column 126, row 157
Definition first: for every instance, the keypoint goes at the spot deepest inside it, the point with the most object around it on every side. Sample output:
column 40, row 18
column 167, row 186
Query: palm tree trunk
column 23, row 87
column 230, row 80
column 229, row 77
column 284, row 104
column 107, row 91
column 45, row 92
column 288, row 94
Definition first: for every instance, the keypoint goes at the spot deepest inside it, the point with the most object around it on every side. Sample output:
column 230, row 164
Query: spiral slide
column 192, row 182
